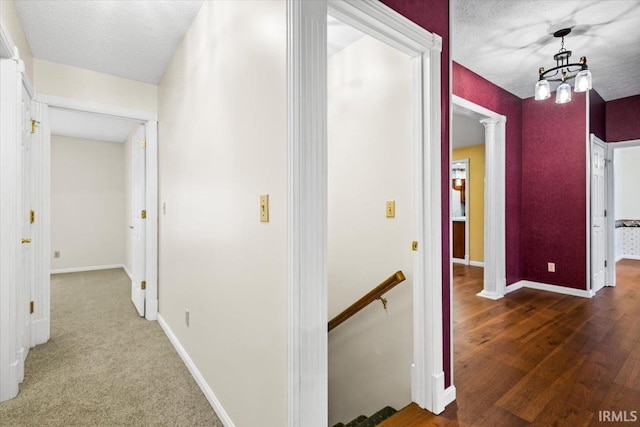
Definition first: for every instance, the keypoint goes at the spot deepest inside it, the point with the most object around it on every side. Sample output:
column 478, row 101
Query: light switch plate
column 391, row 209
column 264, row 208
column 551, row 267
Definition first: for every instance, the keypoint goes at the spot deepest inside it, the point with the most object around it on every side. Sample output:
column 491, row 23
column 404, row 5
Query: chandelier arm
column 543, row 75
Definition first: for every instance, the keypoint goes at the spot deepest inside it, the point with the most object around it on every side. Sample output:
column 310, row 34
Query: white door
column 138, row 215
column 25, row 279
column 598, row 220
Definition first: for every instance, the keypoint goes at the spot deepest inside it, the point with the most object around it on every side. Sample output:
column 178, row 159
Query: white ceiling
column 340, row 35
column 83, row 125
column 507, row 41
column 131, row 39
column 466, row 131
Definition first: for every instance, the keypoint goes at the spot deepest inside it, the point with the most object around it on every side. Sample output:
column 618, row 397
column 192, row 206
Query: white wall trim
column 495, row 275
column 126, row 270
column 549, row 288
column 449, row 394
column 97, row 108
column 476, row 263
column 10, row 134
column 88, row 268
column 307, row 275
column 307, row 201
column 628, row 257
column 195, row 373
column 460, row 261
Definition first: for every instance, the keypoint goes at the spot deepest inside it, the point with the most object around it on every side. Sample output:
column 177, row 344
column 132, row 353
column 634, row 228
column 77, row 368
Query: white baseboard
column 449, row 394
column 202, row 383
column 459, row 261
column 90, row 268
column 41, row 331
column 619, row 257
column 550, row 288
column 126, row 270
column 637, row 257
column 490, row 295
column 514, row 287
column 476, row 263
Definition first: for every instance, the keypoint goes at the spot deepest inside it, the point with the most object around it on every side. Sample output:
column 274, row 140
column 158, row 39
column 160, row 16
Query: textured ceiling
column 131, row 39
column 507, row 41
column 77, row 124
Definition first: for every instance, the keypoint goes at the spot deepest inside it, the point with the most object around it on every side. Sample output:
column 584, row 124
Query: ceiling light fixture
column 562, row 72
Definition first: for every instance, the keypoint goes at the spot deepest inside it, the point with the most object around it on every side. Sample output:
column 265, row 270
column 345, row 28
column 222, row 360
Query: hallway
column 104, row 365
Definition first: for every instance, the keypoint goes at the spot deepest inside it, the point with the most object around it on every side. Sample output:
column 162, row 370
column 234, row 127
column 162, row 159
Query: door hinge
column 414, row 246
column 605, row 263
column 143, row 214
column 34, row 125
column 605, row 213
column 32, row 307
column 143, row 143
column 143, row 285
column 32, row 217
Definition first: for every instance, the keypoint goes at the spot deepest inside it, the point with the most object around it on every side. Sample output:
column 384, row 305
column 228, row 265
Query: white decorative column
column 494, row 209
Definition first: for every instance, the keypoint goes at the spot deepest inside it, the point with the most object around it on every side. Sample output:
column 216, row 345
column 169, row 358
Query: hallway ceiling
column 507, row 41
column 130, row 39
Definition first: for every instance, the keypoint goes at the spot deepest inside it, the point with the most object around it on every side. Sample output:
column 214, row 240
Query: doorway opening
column 493, row 212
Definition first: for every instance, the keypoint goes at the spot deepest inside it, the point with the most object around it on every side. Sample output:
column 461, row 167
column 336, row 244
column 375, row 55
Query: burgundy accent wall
column 554, row 190
column 597, row 116
column 433, row 15
column 472, row 87
column 623, row 119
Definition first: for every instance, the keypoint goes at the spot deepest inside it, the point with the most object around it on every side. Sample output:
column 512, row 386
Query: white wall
column 87, row 203
column 626, row 177
column 370, row 162
column 223, row 135
column 52, row 78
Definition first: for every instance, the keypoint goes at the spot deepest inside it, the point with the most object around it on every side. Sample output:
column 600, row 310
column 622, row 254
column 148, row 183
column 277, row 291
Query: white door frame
column 307, row 201
column 611, row 214
column 594, row 140
column 150, row 121
column 467, row 256
column 495, row 274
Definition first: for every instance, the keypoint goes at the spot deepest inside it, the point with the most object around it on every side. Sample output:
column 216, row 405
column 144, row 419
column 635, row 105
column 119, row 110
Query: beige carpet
column 104, row 365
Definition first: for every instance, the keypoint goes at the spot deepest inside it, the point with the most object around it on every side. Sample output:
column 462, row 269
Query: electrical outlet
column 551, row 267
column 56, row 254
column 186, row 317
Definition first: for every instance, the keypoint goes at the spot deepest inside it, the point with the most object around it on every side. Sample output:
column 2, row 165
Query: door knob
column 26, row 240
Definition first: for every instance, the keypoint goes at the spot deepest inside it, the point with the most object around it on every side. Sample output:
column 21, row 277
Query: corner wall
column 87, row 203
column 554, row 168
column 222, row 144
column 622, row 119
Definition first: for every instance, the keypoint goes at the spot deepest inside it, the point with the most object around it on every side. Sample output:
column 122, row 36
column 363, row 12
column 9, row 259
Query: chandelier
column 563, row 72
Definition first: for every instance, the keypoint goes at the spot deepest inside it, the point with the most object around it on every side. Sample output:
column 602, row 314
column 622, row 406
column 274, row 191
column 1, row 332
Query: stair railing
column 373, row 295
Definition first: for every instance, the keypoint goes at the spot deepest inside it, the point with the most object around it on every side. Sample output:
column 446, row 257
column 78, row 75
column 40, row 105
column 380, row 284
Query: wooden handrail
column 376, row 293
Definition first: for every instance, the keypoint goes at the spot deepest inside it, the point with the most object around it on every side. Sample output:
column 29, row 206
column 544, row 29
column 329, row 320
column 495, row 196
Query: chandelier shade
column 563, row 72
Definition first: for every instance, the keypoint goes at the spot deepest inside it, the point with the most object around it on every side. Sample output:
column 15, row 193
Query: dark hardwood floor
column 540, row 358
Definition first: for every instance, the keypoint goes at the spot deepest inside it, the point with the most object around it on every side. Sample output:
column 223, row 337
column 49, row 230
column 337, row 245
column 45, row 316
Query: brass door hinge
column 26, row 240
column 32, row 307
column 32, row 217
column 34, row 125
column 143, row 285
column 143, row 143
column 143, row 214
column 414, row 246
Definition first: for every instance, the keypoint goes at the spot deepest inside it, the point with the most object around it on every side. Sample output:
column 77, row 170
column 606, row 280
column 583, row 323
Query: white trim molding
column 495, row 275
column 87, row 268
column 195, row 373
column 7, row 47
column 549, row 288
column 10, row 249
column 476, row 263
column 307, row 382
